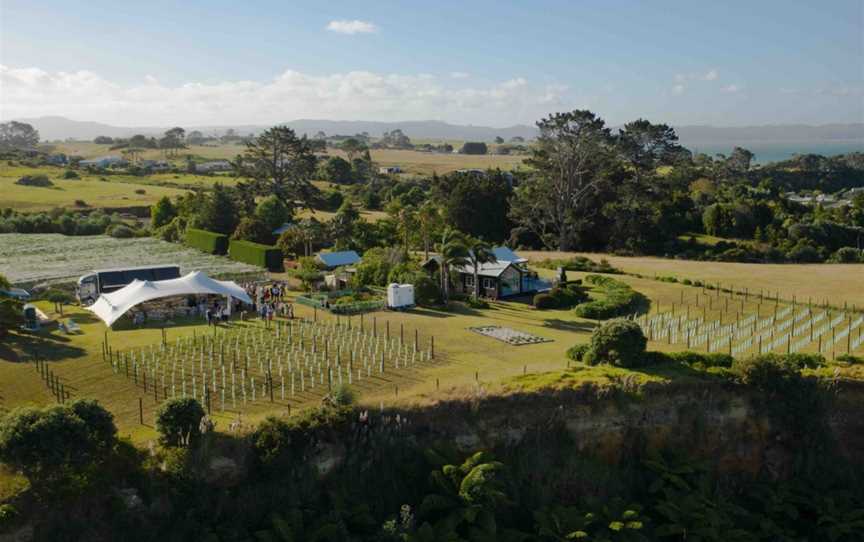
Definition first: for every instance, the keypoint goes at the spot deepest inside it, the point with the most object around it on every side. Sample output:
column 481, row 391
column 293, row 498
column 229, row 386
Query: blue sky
column 481, row 62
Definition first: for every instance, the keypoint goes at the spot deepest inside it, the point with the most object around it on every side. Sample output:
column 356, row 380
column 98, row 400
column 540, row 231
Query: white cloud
column 460, row 75
column 731, row 89
column 356, row 95
column 678, row 89
column 352, row 27
column 710, row 75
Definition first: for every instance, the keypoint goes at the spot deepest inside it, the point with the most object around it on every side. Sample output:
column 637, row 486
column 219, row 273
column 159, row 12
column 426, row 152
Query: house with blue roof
column 507, row 276
column 332, row 260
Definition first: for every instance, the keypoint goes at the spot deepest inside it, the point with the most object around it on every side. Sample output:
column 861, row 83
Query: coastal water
column 774, row 151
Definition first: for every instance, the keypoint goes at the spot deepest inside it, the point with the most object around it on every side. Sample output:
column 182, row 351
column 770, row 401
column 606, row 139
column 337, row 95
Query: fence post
column 141, row 411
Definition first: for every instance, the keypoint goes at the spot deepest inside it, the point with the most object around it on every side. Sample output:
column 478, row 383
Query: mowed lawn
column 837, row 283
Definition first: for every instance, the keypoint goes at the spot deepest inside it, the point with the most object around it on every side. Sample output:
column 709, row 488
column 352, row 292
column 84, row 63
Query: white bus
column 105, row 281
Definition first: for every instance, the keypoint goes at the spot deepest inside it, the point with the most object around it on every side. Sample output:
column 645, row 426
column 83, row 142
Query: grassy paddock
column 114, row 191
column 838, row 283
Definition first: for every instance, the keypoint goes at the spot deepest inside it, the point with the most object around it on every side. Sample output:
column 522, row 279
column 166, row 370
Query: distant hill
column 51, row 128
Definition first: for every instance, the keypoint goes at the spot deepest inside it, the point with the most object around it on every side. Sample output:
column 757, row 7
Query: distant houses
column 154, row 165
column 213, row 166
column 828, row 201
column 389, row 170
column 103, row 162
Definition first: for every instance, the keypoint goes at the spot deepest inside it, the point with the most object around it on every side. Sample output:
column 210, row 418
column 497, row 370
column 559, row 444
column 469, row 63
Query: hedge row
column 255, row 254
column 207, row 241
column 620, row 299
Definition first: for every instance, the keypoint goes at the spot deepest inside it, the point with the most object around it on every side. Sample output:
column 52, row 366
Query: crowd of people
column 269, row 300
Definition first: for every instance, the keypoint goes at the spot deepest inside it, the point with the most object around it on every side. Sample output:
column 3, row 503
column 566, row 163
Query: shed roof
column 337, row 259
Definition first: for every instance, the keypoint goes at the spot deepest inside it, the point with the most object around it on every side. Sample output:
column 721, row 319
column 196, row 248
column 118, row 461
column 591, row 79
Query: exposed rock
column 224, row 472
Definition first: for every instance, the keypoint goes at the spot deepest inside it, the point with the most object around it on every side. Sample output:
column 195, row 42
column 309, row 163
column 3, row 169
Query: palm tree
column 428, row 218
column 479, row 252
column 453, row 254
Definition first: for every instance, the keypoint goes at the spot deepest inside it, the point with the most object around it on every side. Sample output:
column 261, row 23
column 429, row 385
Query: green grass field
column 114, row 191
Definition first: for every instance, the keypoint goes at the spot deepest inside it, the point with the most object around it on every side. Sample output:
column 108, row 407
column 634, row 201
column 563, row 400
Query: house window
column 469, row 281
column 488, row 283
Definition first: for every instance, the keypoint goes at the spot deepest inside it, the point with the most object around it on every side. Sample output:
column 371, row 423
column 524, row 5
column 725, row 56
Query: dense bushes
column 579, row 263
column 57, row 221
column 617, row 342
column 545, row 301
column 426, row 291
column 563, row 296
column 255, row 254
column 35, row 180
column 620, row 299
column 52, row 443
column 206, row 241
column 178, row 422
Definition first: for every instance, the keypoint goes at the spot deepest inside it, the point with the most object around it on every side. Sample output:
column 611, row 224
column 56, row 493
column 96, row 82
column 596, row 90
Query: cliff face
column 727, row 426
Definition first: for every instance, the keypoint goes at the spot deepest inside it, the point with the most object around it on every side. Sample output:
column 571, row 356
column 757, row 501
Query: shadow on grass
column 44, row 345
column 676, row 371
column 569, row 325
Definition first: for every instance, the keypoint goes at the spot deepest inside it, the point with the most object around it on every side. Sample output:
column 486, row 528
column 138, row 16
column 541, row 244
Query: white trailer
column 400, row 296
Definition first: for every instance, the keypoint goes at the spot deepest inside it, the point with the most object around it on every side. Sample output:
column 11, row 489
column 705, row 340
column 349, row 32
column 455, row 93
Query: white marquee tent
column 110, row 307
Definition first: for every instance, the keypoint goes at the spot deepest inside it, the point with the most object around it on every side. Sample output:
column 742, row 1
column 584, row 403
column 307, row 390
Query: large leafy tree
column 279, row 163
column 476, row 203
column 18, row 135
column 162, row 213
column 10, row 310
column 571, row 159
column 219, row 211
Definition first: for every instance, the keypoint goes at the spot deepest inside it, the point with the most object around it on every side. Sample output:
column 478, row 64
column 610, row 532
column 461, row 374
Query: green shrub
column 255, row 254
column 178, row 422
column 545, row 301
column 568, row 295
column 477, row 303
column 848, row 255
column 121, row 231
column 35, row 180
column 618, row 342
column 848, row 358
column 206, row 241
column 71, row 174
column 703, row 359
column 343, row 395
column 577, row 352
column 620, row 299
column 579, row 263
column 426, row 291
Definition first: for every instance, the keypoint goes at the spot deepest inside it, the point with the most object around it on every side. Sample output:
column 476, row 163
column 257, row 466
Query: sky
column 482, row 62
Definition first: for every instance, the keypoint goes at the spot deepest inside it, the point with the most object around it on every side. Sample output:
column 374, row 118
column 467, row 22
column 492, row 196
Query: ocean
column 775, row 151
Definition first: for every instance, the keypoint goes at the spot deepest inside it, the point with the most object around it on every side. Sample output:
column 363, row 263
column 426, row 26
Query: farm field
column 465, row 362
column 28, row 259
column 412, row 162
column 837, row 283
